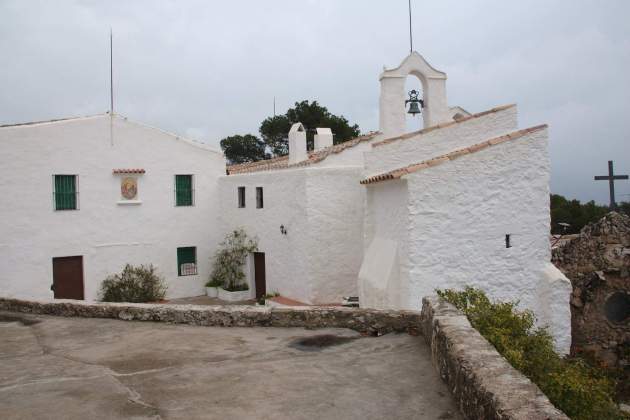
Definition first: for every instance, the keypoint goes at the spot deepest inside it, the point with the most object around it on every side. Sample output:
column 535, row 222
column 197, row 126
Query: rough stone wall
column 369, row 321
column 484, row 384
column 598, row 264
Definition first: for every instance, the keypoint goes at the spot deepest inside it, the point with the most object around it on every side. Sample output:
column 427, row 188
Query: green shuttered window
column 184, row 190
column 65, row 192
column 187, row 261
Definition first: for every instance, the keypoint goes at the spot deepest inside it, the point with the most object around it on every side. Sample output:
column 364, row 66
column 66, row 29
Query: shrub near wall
column 581, row 392
column 134, row 284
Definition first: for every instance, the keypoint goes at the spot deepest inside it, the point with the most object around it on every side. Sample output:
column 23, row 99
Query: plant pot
column 234, row 296
column 212, row 292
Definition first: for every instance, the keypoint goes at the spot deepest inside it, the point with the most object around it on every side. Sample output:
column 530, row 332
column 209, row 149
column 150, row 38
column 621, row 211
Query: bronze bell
column 415, row 104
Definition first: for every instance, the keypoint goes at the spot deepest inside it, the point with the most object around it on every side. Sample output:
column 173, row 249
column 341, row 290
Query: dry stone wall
column 483, row 383
column 369, row 321
column 597, row 262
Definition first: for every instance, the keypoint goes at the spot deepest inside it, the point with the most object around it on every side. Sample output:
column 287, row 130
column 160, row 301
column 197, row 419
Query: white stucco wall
column 383, row 279
column 459, row 227
column 457, row 216
column 284, row 197
column 397, row 154
column 317, row 261
column 106, row 234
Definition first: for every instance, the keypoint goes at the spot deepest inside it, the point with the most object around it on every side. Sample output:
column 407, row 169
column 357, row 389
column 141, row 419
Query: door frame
column 264, row 272
column 53, row 287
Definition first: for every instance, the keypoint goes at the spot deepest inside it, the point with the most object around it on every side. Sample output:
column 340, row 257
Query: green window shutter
column 186, row 255
column 183, row 190
column 65, row 192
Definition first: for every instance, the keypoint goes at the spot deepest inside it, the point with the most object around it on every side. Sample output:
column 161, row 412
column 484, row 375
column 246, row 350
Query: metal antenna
column 111, row 73
column 410, row 35
column 274, row 106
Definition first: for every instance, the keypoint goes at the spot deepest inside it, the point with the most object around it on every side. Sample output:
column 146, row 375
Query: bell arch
column 392, row 118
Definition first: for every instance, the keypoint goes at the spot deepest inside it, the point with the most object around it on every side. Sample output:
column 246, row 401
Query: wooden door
column 68, row 277
column 259, row 274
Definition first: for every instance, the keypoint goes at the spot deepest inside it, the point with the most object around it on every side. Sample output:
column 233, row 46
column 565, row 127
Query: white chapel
column 389, row 216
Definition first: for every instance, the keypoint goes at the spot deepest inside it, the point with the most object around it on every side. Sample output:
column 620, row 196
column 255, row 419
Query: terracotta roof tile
column 129, row 171
column 397, row 173
column 282, row 162
column 442, row 125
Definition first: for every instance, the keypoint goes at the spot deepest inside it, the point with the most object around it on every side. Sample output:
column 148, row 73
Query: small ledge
column 128, row 202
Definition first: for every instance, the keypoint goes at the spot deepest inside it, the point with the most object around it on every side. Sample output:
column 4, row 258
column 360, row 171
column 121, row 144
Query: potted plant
column 228, row 266
column 212, row 288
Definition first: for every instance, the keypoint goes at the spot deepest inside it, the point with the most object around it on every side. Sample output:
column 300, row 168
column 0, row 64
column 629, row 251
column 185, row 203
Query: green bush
column 214, row 283
column 582, row 392
column 227, row 271
column 133, row 284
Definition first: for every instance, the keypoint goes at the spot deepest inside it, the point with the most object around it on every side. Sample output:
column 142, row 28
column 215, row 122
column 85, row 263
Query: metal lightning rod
column 111, row 73
column 410, row 35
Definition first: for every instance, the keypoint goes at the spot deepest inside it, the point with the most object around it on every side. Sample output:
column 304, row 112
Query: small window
column 184, row 191
column 187, row 261
column 259, row 197
column 241, row 197
column 65, row 192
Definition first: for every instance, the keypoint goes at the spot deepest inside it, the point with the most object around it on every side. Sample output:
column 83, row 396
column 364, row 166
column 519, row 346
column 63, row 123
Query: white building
column 389, row 216
column 62, row 187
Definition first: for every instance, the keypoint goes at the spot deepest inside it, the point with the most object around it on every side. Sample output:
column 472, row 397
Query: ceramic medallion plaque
column 129, row 188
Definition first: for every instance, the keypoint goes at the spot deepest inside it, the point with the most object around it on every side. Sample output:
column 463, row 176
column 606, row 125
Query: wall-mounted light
column 283, row 230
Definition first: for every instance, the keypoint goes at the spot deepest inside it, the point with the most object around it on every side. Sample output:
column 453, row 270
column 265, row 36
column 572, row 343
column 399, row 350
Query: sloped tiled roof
column 441, row 125
column 400, row 172
column 282, row 162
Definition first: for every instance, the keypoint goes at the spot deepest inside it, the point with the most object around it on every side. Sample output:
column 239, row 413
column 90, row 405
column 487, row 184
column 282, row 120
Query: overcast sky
column 208, row 69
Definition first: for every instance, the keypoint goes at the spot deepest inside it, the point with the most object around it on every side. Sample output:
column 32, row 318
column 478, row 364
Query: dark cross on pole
column 611, row 182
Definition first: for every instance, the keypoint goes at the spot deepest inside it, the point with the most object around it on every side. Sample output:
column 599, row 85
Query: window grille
column 187, row 261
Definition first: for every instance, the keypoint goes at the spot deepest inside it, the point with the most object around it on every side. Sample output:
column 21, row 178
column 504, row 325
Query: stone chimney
column 323, row 138
column 297, row 144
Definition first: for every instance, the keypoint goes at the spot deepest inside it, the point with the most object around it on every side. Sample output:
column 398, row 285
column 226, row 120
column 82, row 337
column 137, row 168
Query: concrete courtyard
column 66, row 368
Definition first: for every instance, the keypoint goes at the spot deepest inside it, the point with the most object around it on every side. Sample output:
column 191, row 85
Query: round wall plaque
column 129, row 188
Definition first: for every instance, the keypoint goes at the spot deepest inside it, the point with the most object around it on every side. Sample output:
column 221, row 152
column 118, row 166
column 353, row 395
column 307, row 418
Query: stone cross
column 611, row 177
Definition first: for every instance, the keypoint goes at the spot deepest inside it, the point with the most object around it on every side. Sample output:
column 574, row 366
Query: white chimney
column 297, row 144
column 323, row 138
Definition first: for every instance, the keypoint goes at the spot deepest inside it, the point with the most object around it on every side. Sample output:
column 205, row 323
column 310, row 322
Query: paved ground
column 56, row 368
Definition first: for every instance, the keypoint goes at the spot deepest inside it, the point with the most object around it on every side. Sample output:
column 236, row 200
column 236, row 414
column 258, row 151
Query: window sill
column 128, row 202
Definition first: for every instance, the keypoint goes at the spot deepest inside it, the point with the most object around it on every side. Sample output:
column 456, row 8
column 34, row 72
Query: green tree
column 574, row 213
column 241, row 149
column 275, row 130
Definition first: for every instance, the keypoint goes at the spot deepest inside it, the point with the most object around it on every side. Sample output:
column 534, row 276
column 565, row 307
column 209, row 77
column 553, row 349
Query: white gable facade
column 106, row 230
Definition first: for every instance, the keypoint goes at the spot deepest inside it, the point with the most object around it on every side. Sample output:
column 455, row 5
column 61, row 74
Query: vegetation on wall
column 275, row 131
column 230, row 258
column 578, row 214
column 133, row 284
column 580, row 391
